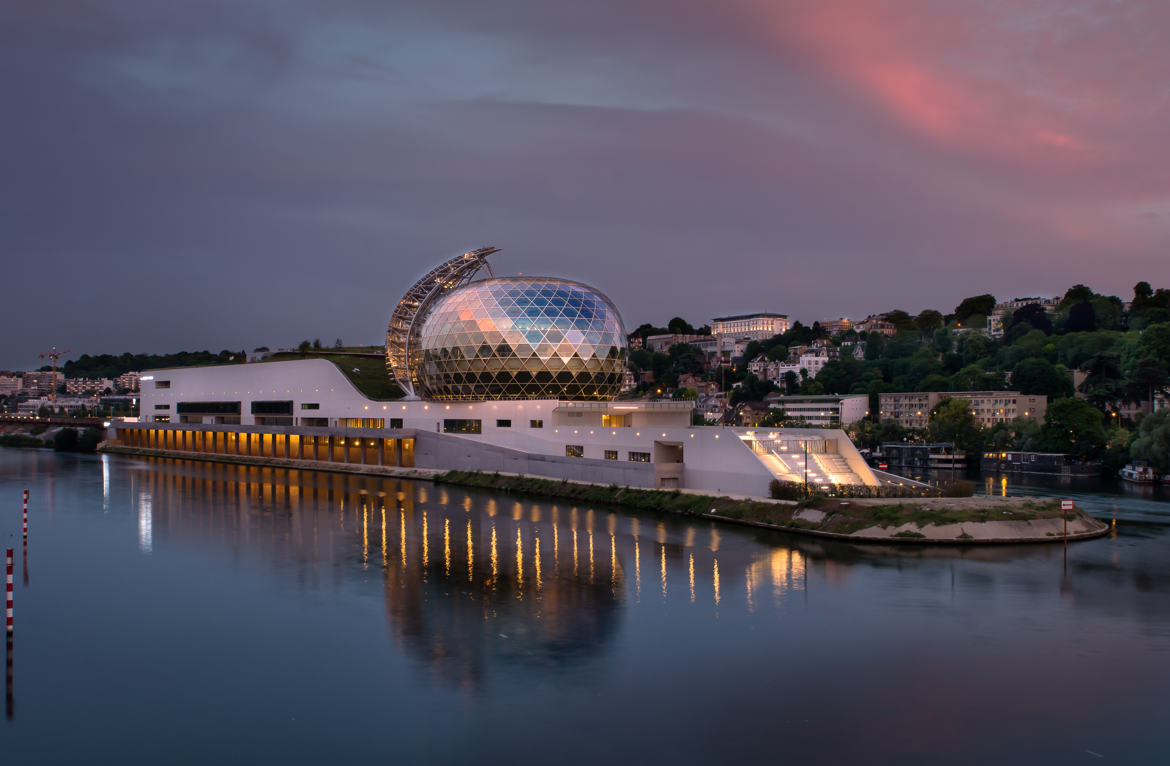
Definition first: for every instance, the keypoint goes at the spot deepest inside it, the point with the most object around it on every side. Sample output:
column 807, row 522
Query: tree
column 1153, row 441
column 1154, row 342
column 1081, row 318
column 1102, row 386
column 752, row 390
column 1142, row 292
column 680, row 326
column 304, row 346
column 1040, row 377
column 943, row 342
column 316, row 343
column 1034, row 315
column 66, row 440
column 977, row 305
column 1074, row 426
column 928, row 321
column 1149, row 377
column 951, row 420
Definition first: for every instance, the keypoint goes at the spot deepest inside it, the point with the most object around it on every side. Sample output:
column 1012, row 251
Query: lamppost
column 954, row 453
column 806, row 492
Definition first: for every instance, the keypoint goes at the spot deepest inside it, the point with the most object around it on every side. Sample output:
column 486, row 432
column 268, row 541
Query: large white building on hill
column 515, row 376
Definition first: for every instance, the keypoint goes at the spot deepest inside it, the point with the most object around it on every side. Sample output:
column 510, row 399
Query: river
column 170, row 611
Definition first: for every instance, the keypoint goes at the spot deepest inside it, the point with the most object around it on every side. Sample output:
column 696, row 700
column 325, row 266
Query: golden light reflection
column 536, row 562
column 715, row 539
column 365, row 537
column 447, row 547
column 402, row 536
column 749, row 584
column 692, row 576
column 384, row 560
column 662, row 567
column 519, row 562
column 517, row 512
column 590, row 556
column 1003, row 486
column 661, row 529
column 426, row 542
column 637, row 571
column 556, row 548
column 689, row 539
column 576, row 569
column 470, row 553
column 467, row 503
column 715, row 578
column 495, row 559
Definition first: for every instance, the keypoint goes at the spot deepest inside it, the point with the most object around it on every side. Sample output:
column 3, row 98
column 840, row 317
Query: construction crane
column 53, row 354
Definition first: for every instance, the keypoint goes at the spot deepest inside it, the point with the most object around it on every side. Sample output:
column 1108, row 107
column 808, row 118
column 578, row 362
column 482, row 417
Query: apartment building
column 912, row 409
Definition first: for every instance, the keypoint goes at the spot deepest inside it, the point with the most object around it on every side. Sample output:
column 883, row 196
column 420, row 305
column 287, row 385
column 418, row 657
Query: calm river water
column 178, row 612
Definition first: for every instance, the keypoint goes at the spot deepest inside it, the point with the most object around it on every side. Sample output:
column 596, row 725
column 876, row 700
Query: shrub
column 958, row 488
column 90, row 439
column 66, row 440
column 787, row 490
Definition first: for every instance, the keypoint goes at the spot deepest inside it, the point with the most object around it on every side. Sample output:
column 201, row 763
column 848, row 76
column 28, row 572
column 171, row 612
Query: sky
column 185, row 176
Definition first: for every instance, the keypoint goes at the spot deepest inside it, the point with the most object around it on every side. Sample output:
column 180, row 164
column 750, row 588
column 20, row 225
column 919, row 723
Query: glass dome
column 522, row 338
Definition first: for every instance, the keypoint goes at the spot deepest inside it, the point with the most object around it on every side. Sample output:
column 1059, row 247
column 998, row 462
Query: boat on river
column 1138, row 472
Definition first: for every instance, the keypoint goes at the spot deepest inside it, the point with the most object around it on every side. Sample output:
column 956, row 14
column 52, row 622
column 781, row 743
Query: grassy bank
column 817, row 514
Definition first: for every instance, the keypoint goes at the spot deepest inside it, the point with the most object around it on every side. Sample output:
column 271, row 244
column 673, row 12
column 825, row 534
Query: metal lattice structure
column 402, row 352
column 522, row 338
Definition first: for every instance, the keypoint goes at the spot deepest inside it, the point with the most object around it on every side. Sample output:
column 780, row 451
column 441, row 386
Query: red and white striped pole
column 24, row 515
column 8, row 587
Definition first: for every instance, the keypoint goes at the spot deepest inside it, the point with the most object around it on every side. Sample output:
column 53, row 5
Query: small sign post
column 1065, row 507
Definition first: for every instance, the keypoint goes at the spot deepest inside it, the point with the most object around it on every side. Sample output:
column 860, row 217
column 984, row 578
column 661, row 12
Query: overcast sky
column 234, row 174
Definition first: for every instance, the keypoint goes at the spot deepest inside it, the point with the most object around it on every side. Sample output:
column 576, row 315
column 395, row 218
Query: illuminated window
column 457, row 426
column 574, row 450
column 536, row 424
column 162, row 418
column 396, row 422
column 310, row 405
column 162, row 384
column 611, row 454
column 361, row 422
column 639, row 457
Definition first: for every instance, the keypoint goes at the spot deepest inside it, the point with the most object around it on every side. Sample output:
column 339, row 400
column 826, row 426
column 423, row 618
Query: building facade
column 828, row 410
column 912, row 409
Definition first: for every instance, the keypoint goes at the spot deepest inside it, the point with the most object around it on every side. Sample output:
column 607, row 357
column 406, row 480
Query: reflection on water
column 245, row 601
column 469, row 579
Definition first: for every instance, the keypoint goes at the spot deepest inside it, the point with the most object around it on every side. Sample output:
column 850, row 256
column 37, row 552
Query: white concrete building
column 821, row 410
column 286, row 405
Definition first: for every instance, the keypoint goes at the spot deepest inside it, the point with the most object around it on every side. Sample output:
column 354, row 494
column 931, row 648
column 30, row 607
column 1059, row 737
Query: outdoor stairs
column 836, row 467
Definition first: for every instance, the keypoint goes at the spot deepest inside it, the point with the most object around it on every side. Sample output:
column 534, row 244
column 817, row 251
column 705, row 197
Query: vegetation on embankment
column 818, row 515
column 61, row 440
column 365, row 369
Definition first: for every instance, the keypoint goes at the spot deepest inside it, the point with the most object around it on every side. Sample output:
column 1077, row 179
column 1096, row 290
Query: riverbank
column 935, row 520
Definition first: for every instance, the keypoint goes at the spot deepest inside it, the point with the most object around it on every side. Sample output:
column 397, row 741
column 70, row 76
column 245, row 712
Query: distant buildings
column 995, row 319
column 836, row 326
column 79, row 386
column 912, row 409
column 878, row 324
column 751, row 326
column 41, row 383
column 732, row 334
column 826, row 410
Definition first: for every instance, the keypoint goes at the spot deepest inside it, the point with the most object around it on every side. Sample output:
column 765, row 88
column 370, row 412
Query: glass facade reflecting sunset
column 523, row 338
